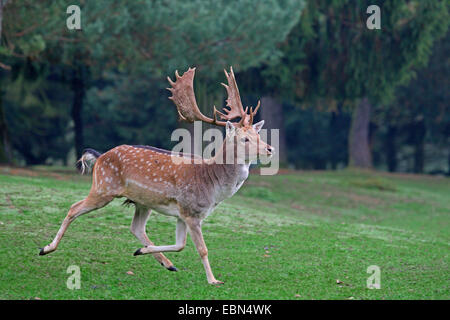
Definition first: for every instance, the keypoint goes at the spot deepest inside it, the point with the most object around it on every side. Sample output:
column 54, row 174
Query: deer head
column 242, row 136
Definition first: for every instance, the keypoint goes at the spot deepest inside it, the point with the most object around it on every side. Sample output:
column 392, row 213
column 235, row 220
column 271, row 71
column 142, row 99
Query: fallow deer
column 150, row 178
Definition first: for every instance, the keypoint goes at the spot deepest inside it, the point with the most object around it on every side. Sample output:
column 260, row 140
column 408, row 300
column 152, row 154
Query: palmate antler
column 184, row 98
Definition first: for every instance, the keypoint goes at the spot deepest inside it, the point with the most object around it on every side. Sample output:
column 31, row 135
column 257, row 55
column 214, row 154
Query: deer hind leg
column 181, row 234
column 138, row 229
column 92, row 202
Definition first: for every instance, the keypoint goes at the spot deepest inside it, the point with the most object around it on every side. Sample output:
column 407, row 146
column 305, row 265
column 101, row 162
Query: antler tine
column 234, row 99
column 183, row 97
column 244, row 119
column 171, row 83
column 257, row 107
column 253, row 112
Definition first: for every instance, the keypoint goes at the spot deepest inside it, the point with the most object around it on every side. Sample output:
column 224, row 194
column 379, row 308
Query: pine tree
column 332, row 58
column 156, row 36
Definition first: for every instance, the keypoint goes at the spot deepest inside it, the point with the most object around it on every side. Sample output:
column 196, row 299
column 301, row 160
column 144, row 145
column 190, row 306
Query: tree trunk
column 419, row 146
column 332, row 156
column 359, row 149
column 272, row 113
column 1, row 17
column 5, row 145
column 2, row 5
column 78, row 88
column 448, row 164
column 391, row 148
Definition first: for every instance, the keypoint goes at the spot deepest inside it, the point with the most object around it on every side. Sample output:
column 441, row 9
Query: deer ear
column 230, row 129
column 258, row 126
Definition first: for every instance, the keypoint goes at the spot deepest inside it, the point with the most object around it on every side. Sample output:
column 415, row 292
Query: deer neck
column 226, row 177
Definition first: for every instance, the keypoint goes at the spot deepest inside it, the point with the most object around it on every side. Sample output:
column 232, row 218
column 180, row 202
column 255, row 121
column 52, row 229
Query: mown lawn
column 301, row 235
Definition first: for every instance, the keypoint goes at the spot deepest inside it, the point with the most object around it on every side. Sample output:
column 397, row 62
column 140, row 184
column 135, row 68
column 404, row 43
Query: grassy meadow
column 297, row 235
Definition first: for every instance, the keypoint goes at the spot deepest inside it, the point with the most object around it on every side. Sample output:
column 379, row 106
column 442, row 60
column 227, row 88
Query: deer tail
column 87, row 160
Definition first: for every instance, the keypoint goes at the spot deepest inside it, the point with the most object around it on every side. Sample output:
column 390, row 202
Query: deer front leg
column 195, row 229
column 181, row 234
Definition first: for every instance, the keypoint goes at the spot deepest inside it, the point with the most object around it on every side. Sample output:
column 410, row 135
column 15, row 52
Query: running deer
column 150, row 178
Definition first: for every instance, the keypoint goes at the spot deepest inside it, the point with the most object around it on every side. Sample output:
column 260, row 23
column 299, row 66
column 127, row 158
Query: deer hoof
column 172, row 268
column 138, row 252
column 41, row 252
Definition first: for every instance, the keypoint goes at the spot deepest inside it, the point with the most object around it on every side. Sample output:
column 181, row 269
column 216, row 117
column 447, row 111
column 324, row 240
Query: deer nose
column 270, row 149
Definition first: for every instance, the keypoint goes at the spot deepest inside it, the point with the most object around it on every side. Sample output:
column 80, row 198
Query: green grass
column 290, row 236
